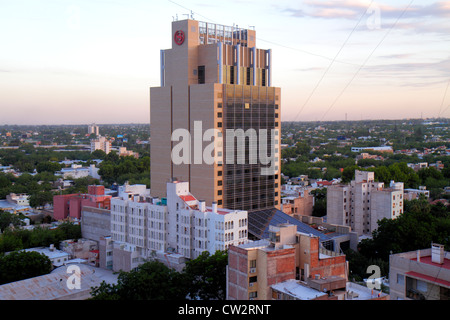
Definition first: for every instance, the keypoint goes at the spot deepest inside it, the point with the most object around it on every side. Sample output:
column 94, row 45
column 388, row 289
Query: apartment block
column 254, row 268
column 142, row 226
column 214, row 78
column 93, row 129
column 70, row 205
column 101, row 143
column 363, row 202
column 420, row 275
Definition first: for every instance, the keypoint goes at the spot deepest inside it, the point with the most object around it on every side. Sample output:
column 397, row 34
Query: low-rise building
column 411, row 194
column 57, row 257
column 59, row 284
column 302, row 204
column 420, row 275
column 254, row 267
column 70, row 205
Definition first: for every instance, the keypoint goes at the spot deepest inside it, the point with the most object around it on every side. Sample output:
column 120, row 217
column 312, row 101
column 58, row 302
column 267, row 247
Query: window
column 421, row 286
column 400, row 279
column 201, row 74
column 231, row 74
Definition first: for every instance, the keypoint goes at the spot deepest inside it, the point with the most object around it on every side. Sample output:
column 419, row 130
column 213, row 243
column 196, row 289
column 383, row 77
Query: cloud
column 351, row 9
column 411, row 73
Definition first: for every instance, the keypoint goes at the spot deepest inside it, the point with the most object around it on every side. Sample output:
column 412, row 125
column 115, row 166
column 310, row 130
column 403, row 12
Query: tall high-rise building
column 214, row 77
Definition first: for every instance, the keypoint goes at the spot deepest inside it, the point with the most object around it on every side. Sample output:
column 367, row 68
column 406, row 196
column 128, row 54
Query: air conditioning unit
column 252, row 270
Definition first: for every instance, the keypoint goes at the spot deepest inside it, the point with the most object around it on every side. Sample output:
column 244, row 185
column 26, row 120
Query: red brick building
column 70, row 205
column 254, row 267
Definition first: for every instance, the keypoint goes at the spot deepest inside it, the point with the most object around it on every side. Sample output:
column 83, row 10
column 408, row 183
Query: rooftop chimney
column 214, row 207
column 437, row 253
column 202, row 205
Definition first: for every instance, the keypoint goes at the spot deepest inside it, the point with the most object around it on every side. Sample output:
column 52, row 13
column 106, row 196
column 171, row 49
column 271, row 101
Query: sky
column 93, row 61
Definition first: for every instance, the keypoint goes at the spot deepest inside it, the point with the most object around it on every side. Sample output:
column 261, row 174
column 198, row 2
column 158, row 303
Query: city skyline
column 94, row 61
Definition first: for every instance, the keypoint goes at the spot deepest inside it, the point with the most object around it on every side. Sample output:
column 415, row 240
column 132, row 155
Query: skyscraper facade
column 214, row 77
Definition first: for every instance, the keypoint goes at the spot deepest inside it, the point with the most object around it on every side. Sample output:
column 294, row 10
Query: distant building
column 93, row 129
column 101, row 143
column 420, row 275
column 123, row 152
column 411, row 194
column 379, row 149
column 77, row 171
column 57, row 257
column 18, row 199
column 363, row 202
column 85, row 249
column 70, row 205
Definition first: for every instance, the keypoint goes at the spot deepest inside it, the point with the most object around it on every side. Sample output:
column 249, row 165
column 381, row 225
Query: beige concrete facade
column 420, row 275
column 363, row 202
column 210, row 77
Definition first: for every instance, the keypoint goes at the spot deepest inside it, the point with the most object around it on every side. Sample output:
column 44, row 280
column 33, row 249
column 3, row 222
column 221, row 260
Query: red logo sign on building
column 179, row 37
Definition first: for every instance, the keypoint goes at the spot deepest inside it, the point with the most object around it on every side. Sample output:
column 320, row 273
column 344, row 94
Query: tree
column 151, row 281
column 419, row 225
column 48, row 166
column 98, row 154
column 41, row 198
column 348, row 173
column 19, row 265
column 320, row 202
column 206, row 276
column 7, row 219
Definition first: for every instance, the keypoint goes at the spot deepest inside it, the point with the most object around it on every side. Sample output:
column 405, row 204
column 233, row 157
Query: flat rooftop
column 297, row 290
column 427, row 260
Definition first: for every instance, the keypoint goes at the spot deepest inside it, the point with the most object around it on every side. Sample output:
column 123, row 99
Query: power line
column 191, row 11
column 332, row 61
column 367, row 59
column 307, row 52
column 271, row 42
column 443, row 98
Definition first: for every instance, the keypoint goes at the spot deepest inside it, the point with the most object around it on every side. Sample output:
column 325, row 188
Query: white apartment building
column 363, row 202
column 101, row 143
column 179, row 223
